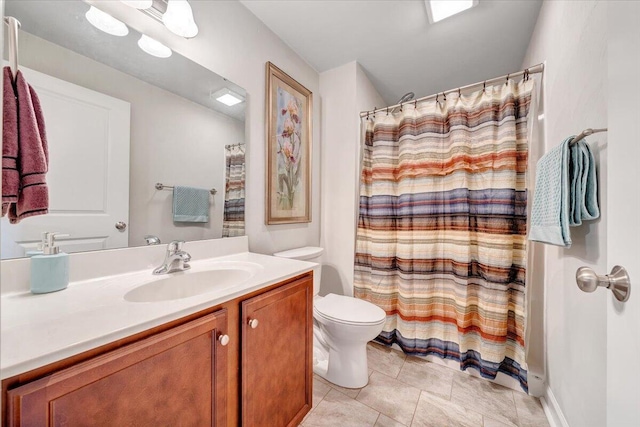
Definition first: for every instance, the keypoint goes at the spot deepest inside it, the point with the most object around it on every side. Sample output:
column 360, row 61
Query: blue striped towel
column 190, row 204
column 566, row 193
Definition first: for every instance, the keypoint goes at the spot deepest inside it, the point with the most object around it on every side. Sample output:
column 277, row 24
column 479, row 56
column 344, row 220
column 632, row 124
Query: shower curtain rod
column 539, row 68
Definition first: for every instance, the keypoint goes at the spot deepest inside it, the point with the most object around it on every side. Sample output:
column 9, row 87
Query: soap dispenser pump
column 50, row 270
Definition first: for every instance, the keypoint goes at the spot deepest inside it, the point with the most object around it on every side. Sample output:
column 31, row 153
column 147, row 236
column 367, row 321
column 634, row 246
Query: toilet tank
column 308, row 253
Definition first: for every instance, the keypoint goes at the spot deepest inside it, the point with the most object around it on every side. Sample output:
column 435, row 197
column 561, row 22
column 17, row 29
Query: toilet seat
column 348, row 310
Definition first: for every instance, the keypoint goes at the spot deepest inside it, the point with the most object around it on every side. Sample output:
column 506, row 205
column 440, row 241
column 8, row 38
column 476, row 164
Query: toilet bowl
column 342, row 328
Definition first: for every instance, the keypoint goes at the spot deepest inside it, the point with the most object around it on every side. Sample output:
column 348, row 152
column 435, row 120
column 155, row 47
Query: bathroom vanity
column 241, row 355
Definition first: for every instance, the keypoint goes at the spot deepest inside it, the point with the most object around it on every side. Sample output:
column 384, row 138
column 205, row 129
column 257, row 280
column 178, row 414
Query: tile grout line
column 416, row 408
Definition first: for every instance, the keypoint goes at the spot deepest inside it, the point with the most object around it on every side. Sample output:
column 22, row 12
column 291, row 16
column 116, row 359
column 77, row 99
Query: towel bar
column 160, row 186
column 586, row 132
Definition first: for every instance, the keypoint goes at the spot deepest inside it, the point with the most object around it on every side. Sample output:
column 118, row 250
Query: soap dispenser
column 49, row 271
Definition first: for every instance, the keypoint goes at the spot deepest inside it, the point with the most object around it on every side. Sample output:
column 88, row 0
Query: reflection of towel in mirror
column 566, row 193
column 190, row 204
column 10, row 176
column 32, row 154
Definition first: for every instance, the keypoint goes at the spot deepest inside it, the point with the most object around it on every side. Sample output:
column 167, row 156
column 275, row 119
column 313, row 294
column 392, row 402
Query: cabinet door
column 175, row 378
column 277, row 355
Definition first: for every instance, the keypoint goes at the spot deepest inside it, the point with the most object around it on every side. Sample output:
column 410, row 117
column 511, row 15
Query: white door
column 623, row 223
column 88, row 178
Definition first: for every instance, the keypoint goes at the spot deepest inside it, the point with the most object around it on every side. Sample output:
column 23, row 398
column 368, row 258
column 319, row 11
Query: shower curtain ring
column 459, row 94
column 387, row 111
column 415, row 104
column 444, row 94
column 484, row 86
column 437, row 96
column 507, row 82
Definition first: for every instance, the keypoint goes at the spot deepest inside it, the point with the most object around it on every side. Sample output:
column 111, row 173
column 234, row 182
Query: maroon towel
column 10, row 176
column 33, row 155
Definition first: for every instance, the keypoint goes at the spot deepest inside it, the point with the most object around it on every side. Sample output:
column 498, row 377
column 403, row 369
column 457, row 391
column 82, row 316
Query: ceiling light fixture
column 105, row 22
column 179, row 19
column 441, row 9
column 227, row 97
column 138, row 4
column 154, row 47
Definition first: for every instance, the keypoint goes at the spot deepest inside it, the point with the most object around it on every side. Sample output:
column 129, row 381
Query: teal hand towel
column 550, row 211
column 190, row 204
column 584, row 186
column 566, row 193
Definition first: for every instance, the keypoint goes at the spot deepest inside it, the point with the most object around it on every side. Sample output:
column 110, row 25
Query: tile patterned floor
column 409, row 391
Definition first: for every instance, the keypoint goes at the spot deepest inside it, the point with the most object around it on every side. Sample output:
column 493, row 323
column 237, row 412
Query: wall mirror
column 119, row 121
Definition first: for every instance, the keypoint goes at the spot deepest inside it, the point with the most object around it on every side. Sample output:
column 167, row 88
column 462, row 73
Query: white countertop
column 40, row 329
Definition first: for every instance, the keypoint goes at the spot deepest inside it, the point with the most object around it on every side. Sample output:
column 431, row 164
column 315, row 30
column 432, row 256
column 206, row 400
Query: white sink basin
column 186, row 284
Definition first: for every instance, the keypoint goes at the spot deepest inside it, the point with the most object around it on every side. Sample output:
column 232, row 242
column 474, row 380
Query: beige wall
column 571, row 37
column 173, row 140
column 235, row 44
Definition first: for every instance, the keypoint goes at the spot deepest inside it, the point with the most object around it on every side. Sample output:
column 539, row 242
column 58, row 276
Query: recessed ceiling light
column 441, row 9
column 138, row 4
column 105, row 22
column 179, row 19
column 227, row 97
column 154, row 47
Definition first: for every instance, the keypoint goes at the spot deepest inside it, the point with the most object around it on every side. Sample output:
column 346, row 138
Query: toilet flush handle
column 253, row 323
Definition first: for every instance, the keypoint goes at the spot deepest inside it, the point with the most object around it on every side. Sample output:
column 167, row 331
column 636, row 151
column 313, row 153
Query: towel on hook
column 10, row 175
column 32, row 160
column 565, row 194
column 190, row 204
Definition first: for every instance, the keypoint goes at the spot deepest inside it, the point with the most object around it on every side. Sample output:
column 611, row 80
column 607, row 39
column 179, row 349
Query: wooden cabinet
column 277, row 352
column 181, row 374
column 175, row 378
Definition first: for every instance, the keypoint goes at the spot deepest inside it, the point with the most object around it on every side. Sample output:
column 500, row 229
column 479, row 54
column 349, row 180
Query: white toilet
column 342, row 328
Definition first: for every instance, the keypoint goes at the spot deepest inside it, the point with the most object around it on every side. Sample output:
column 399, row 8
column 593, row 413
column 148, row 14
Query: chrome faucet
column 152, row 240
column 175, row 259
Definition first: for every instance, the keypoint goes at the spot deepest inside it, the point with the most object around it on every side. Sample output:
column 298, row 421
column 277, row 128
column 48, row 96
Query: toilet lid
column 344, row 309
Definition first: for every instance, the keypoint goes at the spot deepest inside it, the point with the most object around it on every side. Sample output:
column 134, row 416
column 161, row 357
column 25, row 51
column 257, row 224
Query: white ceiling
column 63, row 22
column 397, row 46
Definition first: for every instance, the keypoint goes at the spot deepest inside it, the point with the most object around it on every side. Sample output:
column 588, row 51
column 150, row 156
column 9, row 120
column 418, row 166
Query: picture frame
column 288, row 144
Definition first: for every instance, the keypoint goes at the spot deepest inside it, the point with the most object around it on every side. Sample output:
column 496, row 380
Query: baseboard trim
column 552, row 410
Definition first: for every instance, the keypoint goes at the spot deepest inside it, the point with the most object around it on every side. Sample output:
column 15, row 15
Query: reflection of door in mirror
column 88, row 135
column 178, row 129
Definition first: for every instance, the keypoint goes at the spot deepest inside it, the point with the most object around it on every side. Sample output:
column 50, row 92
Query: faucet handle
column 175, row 245
column 152, row 240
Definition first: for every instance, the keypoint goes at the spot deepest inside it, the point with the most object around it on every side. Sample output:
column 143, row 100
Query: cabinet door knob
column 223, row 339
column 253, row 323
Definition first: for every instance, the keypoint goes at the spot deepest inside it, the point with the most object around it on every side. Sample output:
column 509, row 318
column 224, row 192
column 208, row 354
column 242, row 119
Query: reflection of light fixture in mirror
column 179, row 19
column 227, row 97
column 154, row 47
column 441, row 9
column 105, row 22
column 138, row 4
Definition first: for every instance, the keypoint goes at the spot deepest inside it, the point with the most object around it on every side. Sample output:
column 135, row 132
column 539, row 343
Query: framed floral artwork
column 288, row 183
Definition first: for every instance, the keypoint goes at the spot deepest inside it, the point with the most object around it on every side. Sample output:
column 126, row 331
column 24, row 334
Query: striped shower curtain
column 442, row 227
column 233, row 222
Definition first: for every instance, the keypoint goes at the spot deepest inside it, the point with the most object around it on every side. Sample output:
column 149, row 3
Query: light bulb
column 138, row 4
column 179, row 19
column 105, row 22
column 154, row 47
